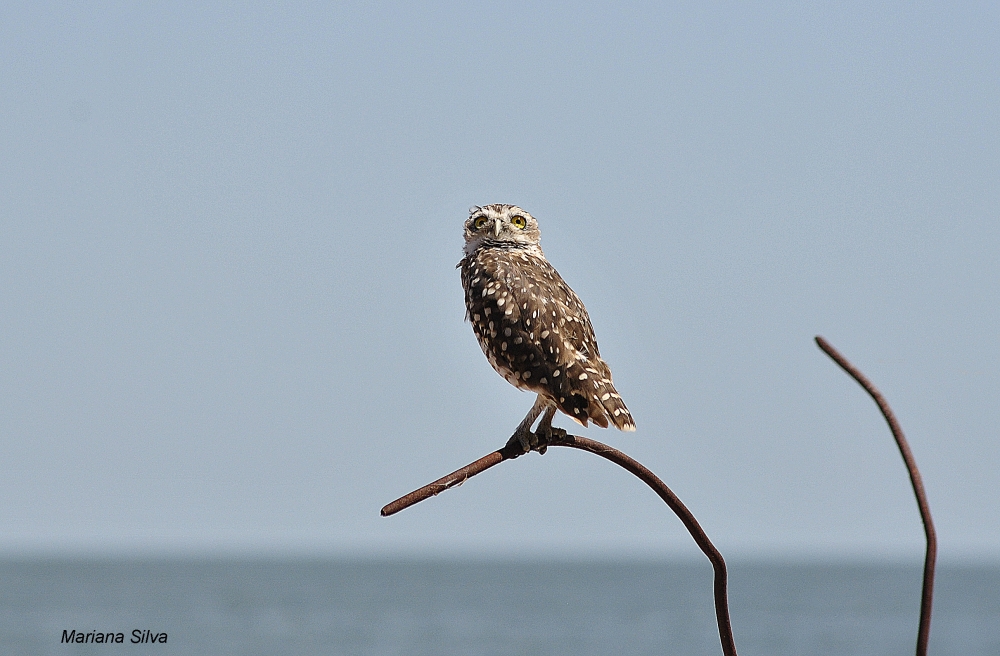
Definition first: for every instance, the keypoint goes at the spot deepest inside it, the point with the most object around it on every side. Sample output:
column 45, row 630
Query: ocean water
column 222, row 607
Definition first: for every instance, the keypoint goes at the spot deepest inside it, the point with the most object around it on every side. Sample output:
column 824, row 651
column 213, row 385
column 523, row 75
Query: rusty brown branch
column 926, row 599
column 451, row 480
column 511, row 450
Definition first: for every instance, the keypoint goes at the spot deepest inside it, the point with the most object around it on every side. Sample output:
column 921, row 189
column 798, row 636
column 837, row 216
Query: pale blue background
column 230, row 318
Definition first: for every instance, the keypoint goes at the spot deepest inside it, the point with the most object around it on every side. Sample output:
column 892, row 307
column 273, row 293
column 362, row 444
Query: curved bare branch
column 560, row 438
column 930, row 556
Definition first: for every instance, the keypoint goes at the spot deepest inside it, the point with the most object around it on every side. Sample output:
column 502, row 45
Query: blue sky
column 231, row 318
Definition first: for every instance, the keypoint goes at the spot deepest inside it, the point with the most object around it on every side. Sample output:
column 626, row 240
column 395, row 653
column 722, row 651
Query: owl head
column 500, row 225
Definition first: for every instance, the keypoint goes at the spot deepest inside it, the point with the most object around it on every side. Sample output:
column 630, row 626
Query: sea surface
column 222, row 607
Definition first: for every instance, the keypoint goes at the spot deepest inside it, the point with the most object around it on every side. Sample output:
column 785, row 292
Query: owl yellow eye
column 518, row 222
column 480, row 222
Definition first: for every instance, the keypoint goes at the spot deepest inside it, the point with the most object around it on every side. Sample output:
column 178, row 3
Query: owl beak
column 496, row 227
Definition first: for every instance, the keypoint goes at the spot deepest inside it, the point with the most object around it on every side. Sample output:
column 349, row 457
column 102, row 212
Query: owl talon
column 539, row 440
column 546, row 434
column 522, row 443
column 527, row 442
column 556, row 434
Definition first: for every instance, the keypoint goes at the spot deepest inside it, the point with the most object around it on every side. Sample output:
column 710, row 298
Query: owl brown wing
column 536, row 333
column 501, row 317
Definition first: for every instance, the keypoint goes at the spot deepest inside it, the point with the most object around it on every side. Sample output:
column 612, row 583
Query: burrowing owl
column 532, row 327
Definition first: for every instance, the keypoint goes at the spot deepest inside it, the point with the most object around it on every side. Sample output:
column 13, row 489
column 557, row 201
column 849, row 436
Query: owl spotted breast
column 532, row 327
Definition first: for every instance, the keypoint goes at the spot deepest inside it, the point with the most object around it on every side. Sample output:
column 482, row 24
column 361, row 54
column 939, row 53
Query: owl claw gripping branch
column 532, row 327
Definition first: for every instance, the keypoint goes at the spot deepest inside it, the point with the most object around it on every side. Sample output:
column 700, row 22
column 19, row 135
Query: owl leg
column 523, row 434
column 545, row 431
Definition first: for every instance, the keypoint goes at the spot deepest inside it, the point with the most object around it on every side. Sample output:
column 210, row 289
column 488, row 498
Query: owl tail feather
column 602, row 406
column 615, row 410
